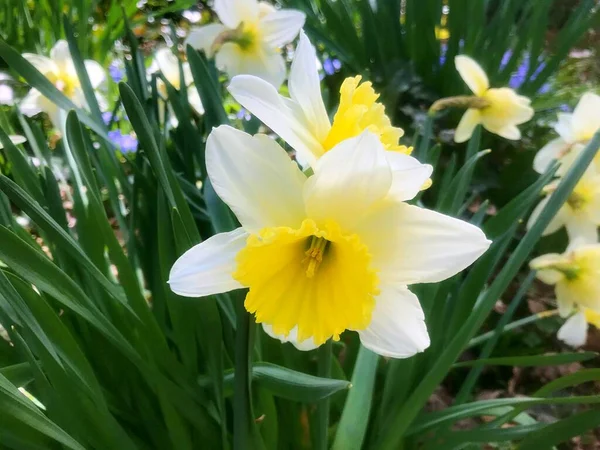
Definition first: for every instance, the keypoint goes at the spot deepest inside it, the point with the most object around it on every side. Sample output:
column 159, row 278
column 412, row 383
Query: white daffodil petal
column 548, row 153
column 206, row 268
column 194, row 100
column 233, row 12
column 586, row 116
column 32, row 103
column 470, row 119
column 292, row 337
column 397, row 327
column 202, row 38
column 265, row 63
column 557, row 222
column 582, row 230
column 281, row 27
column 95, row 72
column 256, row 178
column 305, row 87
column 408, row 176
column 415, row 245
column 564, row 300
column 44, row 65
column 61, row 55
column 15, row 139
column 574, row 330
column 472, row 74
column 283, row 116
column 348, row 180
column 168, row 64
column 564, row 127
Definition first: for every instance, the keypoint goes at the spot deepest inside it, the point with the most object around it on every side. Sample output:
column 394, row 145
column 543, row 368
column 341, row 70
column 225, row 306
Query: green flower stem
column 324, row 371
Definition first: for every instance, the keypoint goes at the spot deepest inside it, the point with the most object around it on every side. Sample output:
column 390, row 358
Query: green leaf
column 529, row 361
column 352, row 427
column 561, row 431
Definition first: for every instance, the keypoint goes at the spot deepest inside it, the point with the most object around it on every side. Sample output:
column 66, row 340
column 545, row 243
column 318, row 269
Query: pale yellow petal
column 472, row 74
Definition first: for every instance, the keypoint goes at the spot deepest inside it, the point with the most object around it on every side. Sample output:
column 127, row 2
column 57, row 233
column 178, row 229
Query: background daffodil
column 574, row 131
column 327, row 253
column 576, row 279
column 302, row 120
column 580, row 214
column 60, row 70
column 499, row 110
column 248, row 38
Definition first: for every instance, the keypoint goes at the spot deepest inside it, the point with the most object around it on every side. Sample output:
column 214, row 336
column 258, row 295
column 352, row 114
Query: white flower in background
column 574, row 131
column 580, row 214
column 249, row 38
column 15, row 139
column 7, row 94
column 302, row 120
column 499, row 110
column 327, row 253
column 167, row 63
column 60, row 70
column 576, row 279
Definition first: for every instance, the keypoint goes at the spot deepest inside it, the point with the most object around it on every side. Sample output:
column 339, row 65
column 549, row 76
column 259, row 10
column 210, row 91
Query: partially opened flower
column 168, row 64
column 576, row 279
column 580, row 214
column 499, row 110
column 327, row 253
column 574, row 131
column 248, row 38
column 60, row 70
column 302, row 120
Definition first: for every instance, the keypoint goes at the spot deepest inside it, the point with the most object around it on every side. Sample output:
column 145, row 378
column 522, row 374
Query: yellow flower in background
column 302, row 120
column 167, row 63
column 499, row 110
column 580, row 214
column 249, row 37
column 576, row 279
column 327, row 253
column 60, row 70
column 575, row 131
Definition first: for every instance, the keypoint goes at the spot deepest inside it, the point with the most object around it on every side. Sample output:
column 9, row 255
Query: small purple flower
column 331, row 65
column 443, row 50
column 127, row 143
column 106, row 117
column 565, row 108
column 116, row 72
column 243, row 114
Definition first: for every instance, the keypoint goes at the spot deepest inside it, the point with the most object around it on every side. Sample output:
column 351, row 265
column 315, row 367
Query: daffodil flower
column 574, row 131
column 302, row 120
column 499, row 110
column 168, row 64
column 576, row 279
column 248, row 38
column 60, row 70
column 327, row 253
column 580, row 214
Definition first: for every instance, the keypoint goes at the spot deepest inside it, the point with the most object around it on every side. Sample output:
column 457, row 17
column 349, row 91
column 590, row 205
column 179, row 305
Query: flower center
column 359, row 111
column 316, row 278
column 67, row 84
column 592, row 317
column 581, row 196
column 246, row 36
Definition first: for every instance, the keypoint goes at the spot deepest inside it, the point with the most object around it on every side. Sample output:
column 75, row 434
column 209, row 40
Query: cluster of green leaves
column 119, row 361
column 398, row 45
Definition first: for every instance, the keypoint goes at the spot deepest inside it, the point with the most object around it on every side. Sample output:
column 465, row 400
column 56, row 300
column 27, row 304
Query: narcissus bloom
column 574, row 131
column 580, row 214
column 168, row 64
column 327, row 253
column 302, row 120
column 60, row 70
column 576, row 279
column 499, row 110
column 248, row 38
